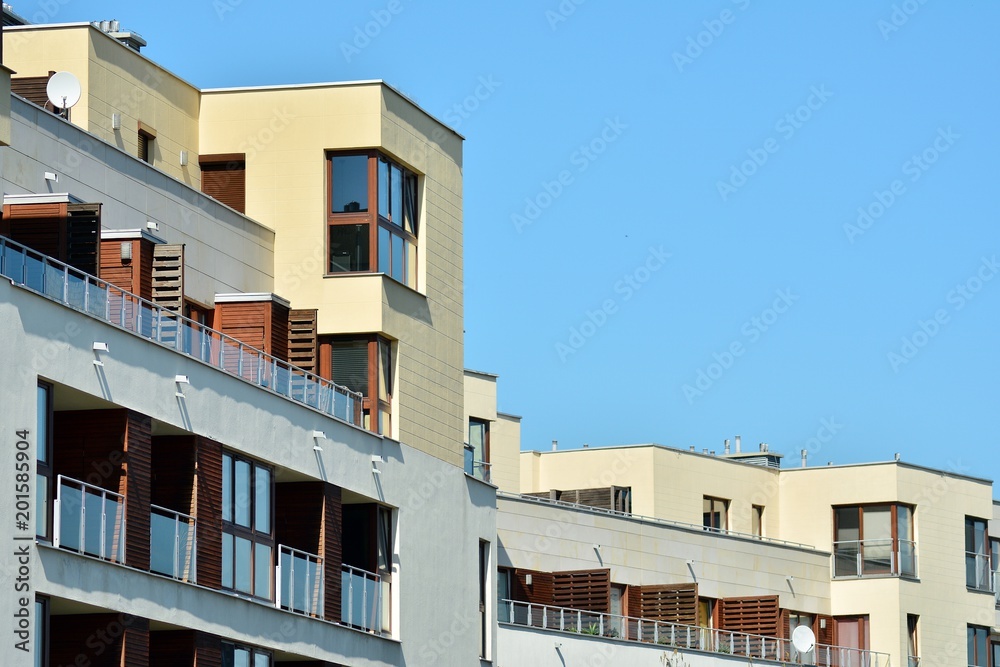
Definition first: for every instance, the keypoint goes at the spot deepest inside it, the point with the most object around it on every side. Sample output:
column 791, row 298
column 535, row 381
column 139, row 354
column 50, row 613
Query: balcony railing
column 89, row 520
column 98, row 298
column 172, row 543
column 873, row 558
column 979, row 575
column 300, row 581
column 477, row 469
column 680, row 636
column 361, row 600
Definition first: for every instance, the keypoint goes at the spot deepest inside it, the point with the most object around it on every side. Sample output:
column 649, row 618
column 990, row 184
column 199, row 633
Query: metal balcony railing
column 172, row 543
column 100, row 299
column 679, row 636
column 979, row 575
column 361, row 600
column 89, row 520
column 474, row 468
column 874, row 558
column 300, row 581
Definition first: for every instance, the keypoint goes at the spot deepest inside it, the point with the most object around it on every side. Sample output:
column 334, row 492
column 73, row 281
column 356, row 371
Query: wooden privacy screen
column 605, row 497
column 752, row 615
column 168, row 276
column 540, row 590
column 589, row 590
column 68, row 232
column 302, row 339
column 670, row 603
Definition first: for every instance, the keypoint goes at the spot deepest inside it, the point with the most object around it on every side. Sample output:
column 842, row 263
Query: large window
column 247, row 527
column 715, row 513
column 912, row 646
column 364, row 364
column 372, row 218
column 978, row 573
column 477, row 451
column 978, row 640
column 43, row 461
column 244, row 656
column 873, row 540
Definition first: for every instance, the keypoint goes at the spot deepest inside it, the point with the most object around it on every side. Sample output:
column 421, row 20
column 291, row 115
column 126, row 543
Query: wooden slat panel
column 539, row 592
column 672, row 603
column 207, row 650
column 135, row 485
column 113, row 268
column 753, row 615
column 173, row 466
column 332, row 540
column 302, row 339
column 208, row 494
column 41, row 227
column 589, row 590
column 225, row 181
column 83, row 237
column 168, row 276
column 277, row 343
column 146, row 269
column 824, row 630
column 88, row 445
column 33, row 89
column 135, row 643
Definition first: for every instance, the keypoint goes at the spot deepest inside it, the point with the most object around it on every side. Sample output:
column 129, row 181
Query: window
column 147, row 140
column 503, row 593
column 978, row 638
column 912, row 652
column 247, row 533
column 484, row 586
column 362, row 364
column 757, row 520
column 244, row 656
column 715, row 513
column 224, row 177
column 978, row 575
column 41, row 631
column 477, row 460
column 873, row 540
column 43, row 461
column 372, row 218
column 621, row 499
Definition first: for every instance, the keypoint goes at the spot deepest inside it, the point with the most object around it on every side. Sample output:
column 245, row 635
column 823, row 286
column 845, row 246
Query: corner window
column 714, row 513
column 363, row 364
column 874, row 540
column 247, row 534
column 372, row 217
column 978, row 573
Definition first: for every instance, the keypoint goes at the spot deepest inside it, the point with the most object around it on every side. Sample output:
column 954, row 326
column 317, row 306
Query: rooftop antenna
column 63, row 91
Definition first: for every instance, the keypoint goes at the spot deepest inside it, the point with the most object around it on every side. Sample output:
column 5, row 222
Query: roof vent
column 133, row 40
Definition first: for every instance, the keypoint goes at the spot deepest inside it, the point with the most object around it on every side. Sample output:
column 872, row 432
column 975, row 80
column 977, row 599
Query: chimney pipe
column 726, row 450
column 805, row 452
column 555, row 445
column 585, row 445
column 705, row 450
column 691, row 448
column 763, row 447
column 737, row 444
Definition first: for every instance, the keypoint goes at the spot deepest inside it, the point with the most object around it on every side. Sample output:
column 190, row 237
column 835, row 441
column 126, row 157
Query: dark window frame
column 379, row 223
column 146, row 143
column 227, row 661
column 44, row 469
column 974, row 635
column 972, row 522
column 236, row 530
column 706, row 517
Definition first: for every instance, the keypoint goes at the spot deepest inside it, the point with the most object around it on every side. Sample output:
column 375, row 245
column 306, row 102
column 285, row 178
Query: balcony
column 89, row 520
column 979, row 575
column 361, row 603
column 677, row 636
column 874, row 558
column 172, row 543
column 300, row 582
column 478, row 469
column 102, row 300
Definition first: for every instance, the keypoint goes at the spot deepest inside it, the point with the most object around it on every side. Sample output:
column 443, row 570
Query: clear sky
column 686, row 221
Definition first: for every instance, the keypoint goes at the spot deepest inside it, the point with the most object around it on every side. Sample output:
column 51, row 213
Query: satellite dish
column 803, row 639
column 63, row 90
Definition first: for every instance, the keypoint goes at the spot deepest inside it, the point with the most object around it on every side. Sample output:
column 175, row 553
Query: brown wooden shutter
column 33, row 89
column 223, row 177
column 539, row 592
column 207, row 650
column 135, row 642
column 589, row 590
column 332, row 540
column 208, row 493
column 168, row 276
column 135, row 485
column 302, row 339
column 41, row 227
column 752, row 615
column 671, row 603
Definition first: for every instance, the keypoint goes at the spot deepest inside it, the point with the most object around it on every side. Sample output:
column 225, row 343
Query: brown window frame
column 147, row 143
column 253, row 651
column 375, row 220
column 986, row 545
column 250, row 533
column 893, row 570
column 724, row 514
column 376, row 410
column 973, row 656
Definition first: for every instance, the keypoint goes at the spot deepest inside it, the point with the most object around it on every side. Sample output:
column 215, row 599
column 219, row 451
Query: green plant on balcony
column 592, row 629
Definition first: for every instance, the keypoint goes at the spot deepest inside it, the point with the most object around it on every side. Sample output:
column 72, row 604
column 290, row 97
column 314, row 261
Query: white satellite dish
column 63, row 90
column 803, row 639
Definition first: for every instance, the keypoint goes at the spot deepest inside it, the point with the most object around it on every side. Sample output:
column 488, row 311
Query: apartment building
column 710, row 557
column 233, row 386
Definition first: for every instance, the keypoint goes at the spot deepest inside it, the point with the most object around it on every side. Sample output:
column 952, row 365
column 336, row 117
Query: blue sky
column 686, row 221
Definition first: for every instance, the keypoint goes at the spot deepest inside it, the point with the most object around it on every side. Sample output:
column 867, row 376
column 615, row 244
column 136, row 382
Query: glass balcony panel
column 360, row 599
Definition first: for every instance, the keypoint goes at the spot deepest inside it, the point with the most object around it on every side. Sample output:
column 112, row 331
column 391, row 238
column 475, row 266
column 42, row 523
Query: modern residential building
column 233, row 387
column 698, row 557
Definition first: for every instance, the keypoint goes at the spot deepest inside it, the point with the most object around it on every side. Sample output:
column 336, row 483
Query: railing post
column 579, row 621
column 545, row 617
column 656, row 632
column 562, row 619
column 600, row 625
